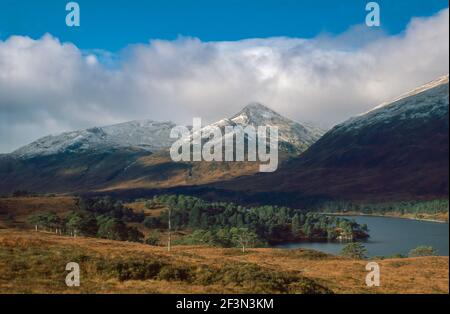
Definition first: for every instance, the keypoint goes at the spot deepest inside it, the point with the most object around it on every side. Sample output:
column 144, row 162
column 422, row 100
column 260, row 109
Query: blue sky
column 114, row 24
column 312, row 61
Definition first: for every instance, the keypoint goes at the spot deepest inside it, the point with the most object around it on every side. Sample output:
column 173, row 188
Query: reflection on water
column 389, row 236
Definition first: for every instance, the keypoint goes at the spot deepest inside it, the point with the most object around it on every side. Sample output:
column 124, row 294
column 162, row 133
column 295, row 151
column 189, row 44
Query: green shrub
column 131, row 269
column 175, row 273
column 153, row 239
column 255, row 279
column 354, row 250
column 423, row 251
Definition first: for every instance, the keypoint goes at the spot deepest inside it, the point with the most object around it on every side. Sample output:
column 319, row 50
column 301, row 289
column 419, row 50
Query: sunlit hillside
column 35, row 262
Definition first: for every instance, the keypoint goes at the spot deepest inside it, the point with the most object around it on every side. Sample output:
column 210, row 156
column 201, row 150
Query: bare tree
column 244, row 237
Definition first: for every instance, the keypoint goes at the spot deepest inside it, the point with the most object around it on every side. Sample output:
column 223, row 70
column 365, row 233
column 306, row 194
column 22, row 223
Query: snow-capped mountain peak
column 148, row 135
column 426, row 101
column 293, row 136
column 439, row 81
column 257, row 114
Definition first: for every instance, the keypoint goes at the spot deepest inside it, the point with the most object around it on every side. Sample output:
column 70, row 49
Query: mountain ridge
column 146, row 134
column 397, row 151
column 124, row 156
column 151, row 136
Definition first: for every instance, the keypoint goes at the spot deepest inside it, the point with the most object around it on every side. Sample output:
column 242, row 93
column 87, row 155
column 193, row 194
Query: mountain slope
column 146, row 134
column 293, row 137
column 398, row 150
column 297, row 135
column 133, row 155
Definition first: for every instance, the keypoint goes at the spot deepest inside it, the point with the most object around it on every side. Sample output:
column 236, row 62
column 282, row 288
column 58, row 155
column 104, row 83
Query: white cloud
column 47, row 86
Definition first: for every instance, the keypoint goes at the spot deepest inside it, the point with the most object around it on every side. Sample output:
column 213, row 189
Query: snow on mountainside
column 298, row 136
column 146, row 134
column 397, row 151
column 426, row 101
column 152, row 136
column 289, row 131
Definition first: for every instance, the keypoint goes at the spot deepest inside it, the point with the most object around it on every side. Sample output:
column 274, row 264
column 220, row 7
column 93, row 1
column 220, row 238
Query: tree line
column 267, row 224
column 402, row 207
column 98, row 217
column 222, row 224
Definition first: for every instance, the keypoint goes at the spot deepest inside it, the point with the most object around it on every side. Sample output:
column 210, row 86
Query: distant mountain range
column 398, row 150
column 145, row 135
column 298, row 137
column 154, row 136
column 134, row 155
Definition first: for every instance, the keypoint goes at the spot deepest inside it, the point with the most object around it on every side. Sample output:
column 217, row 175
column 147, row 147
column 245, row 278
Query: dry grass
column 188, row 173
column 33, row 262
column 14, row 211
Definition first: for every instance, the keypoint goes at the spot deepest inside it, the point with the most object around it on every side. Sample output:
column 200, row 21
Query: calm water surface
column 389, row 236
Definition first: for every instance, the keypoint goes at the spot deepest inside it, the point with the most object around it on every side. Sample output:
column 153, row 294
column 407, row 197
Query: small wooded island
column 221, row 223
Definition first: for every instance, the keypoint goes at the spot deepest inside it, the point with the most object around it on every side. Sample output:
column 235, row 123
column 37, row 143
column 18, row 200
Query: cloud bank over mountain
column 47, row 86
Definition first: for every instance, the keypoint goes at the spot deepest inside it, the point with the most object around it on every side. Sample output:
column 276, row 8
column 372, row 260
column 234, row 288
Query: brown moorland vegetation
column 34, row 262
column 14, row 211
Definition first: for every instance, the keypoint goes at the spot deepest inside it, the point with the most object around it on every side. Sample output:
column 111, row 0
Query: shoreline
column 386, row 216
